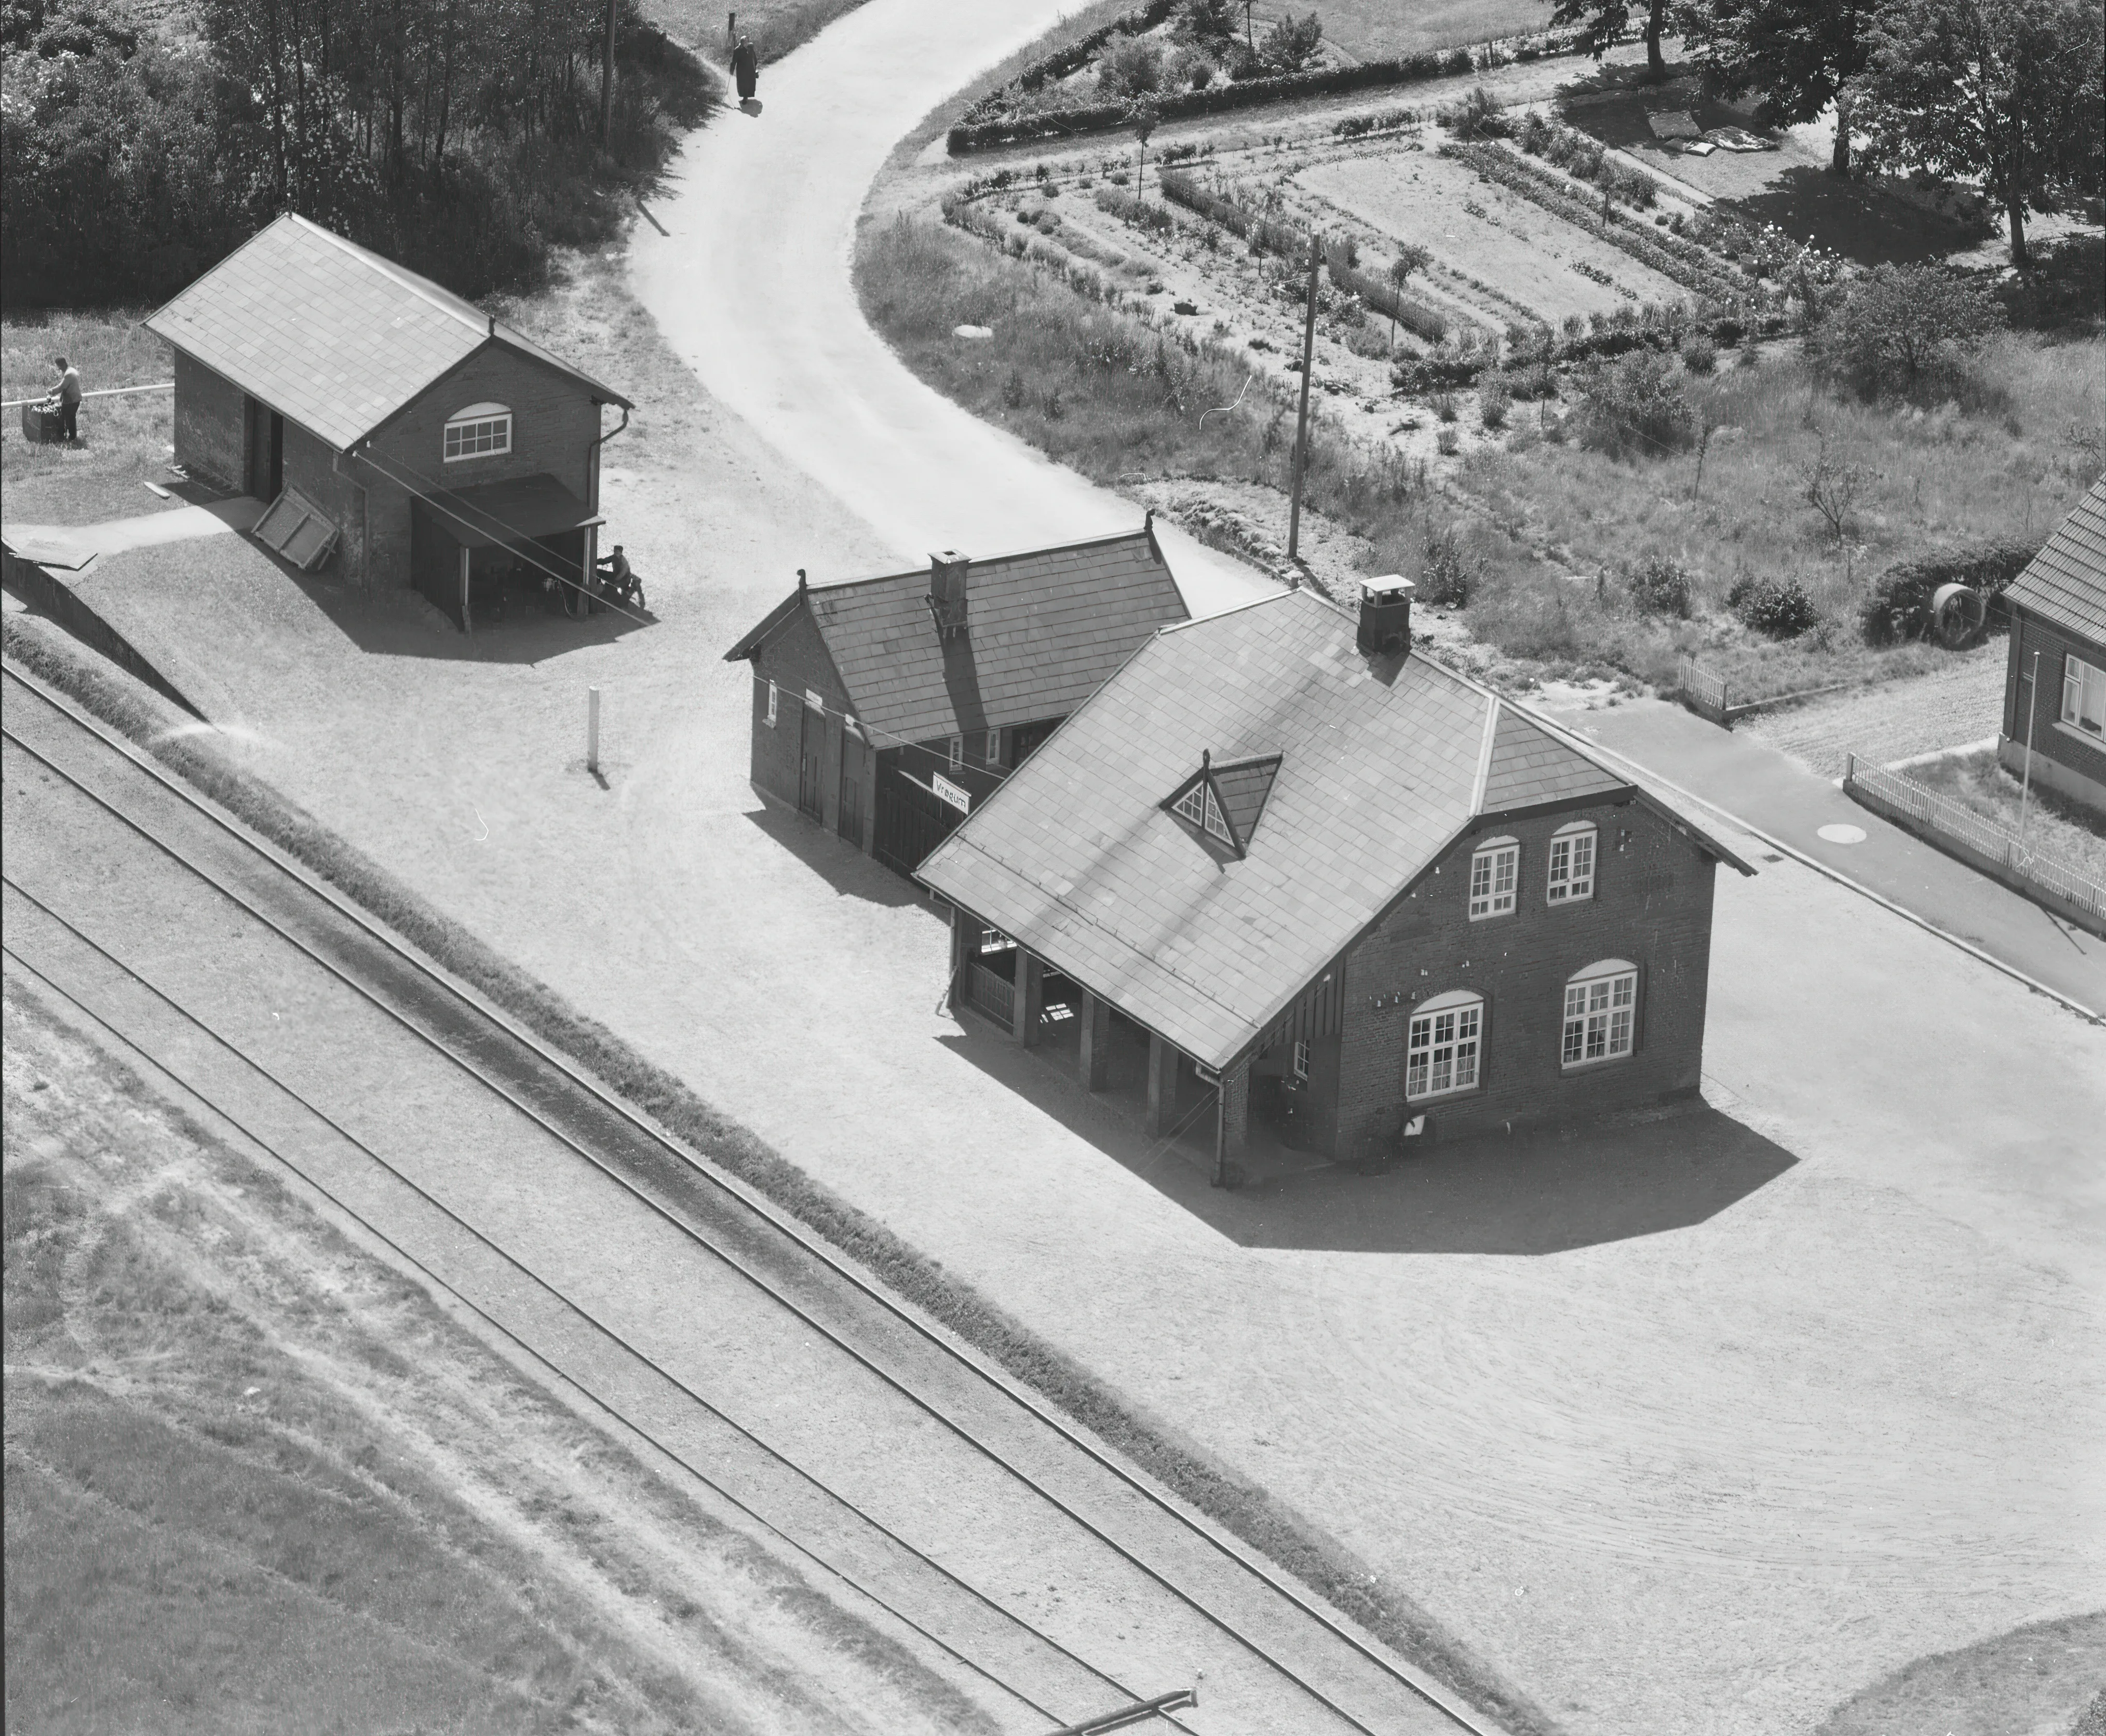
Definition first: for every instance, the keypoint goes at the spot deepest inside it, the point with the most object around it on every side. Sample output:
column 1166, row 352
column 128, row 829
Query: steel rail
column 584, row 1314
column 760, row 1206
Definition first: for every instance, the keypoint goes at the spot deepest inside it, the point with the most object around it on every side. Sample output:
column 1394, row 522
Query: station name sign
column 947, row 791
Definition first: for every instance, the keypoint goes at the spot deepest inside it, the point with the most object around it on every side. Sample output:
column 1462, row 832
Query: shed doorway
column 811, row 764
column 266, row 451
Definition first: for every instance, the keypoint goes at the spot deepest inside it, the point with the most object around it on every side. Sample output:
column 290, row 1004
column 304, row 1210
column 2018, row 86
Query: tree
column 1901, row 326
column 1601, row 22
column 1143, row 119
column 1801, row 55
column 1291, row 44
column 2006, row 92
column 1409, row 258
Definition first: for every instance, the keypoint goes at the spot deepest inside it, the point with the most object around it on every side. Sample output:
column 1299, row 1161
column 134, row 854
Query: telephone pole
column 1302, row 420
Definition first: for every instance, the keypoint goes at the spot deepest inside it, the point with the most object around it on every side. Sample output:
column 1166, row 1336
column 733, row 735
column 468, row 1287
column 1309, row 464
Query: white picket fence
column 1903, row 800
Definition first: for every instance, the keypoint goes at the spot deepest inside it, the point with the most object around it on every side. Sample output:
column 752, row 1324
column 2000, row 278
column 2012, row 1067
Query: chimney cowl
column 1385, row 616
column 947, row 591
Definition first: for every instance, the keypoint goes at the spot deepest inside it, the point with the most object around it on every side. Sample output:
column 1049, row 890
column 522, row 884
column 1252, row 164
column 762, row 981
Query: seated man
column 618, row 580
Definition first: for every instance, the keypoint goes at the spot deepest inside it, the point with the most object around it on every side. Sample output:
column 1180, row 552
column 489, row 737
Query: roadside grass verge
column 2043, row 1677
column 1262, row 1521
column 122, row 438
column 2059, row 828
column 776, row 26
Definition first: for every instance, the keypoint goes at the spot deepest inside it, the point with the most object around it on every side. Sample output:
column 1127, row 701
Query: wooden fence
column 1705, row 688
column 1977, row 840
column 992, row 992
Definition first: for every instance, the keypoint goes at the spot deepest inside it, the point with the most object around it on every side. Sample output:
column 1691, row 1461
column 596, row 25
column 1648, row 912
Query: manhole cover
column 1844, row 833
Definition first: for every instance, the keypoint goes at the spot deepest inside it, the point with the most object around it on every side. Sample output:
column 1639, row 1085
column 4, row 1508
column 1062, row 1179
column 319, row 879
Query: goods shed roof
column 332, row 336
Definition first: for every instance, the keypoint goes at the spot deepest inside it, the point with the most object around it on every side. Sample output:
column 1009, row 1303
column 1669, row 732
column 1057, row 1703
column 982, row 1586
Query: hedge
column 1216, row 99
column 1899, row 606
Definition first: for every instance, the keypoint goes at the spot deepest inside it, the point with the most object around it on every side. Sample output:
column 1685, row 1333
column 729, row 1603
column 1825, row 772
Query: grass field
column 121, row 437
column 257, row 1482
column 1378, row 30
column 2037, row 1679
column 776, row 26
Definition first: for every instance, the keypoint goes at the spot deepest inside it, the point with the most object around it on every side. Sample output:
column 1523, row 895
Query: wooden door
column 849, row 822
column 811, row 764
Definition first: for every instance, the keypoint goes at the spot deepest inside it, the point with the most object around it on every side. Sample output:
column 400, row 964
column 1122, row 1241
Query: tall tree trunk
column 2014, row 187
column 445, row 99
column 1846, row 103
column 1655, row 24
column 277, row 96
column 2014, row 212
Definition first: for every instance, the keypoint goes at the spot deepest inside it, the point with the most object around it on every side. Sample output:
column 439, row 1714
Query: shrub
column 1532, row 380
column 1421, row 375
column 1636, row 406
column 1492, row 403
column 1900, row 328
column 1443, row 405
column 1447, row 574
column 1779, row 607
column 1290, row 45
column 1190, row 70
column 1476, row 116
column 1898, row 608
column 1658, row 586
column 1699, row 354
column 1456, row 62
column 1133, row 69
column 1448, row 442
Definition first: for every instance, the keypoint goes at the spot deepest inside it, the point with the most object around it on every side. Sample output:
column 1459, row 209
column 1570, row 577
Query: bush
column 1899, row 329
column 1443, row 405
column 1899, row 606
column 1420, row 374
column 1492, row 405
column 1636, row 405
column 1659, row 586
column 1448, row 573
column 1699, row 354
column 1290, row 45
column 1448, row 443
column 1131, row 69
column 1779, row 607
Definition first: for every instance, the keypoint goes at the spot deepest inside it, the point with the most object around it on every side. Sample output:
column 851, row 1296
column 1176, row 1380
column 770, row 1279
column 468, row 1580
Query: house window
column 994, row 747
column 1301, row 1061
column 480, row 431
column 774, row 697
column 1601, row 1013
column 957, row 753
column 1494, row 867
column 2084, row 696
column 1571, row 864
column 1441, row 1050
column 1198, row 806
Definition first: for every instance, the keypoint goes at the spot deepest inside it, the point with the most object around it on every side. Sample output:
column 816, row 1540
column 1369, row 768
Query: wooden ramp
column 294, row 526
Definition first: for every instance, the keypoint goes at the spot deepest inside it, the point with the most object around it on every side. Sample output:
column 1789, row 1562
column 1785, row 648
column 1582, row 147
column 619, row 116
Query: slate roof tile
column 2066, row 584
column 329, row 335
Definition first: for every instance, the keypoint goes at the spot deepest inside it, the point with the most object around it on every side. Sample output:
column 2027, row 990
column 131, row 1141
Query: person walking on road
column 746, row 68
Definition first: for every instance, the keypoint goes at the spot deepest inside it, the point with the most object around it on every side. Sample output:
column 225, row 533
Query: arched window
column 1572, row 875
column 480, row 431
column 1601, row 1013
column 1444, row 1045
column 1495, row 872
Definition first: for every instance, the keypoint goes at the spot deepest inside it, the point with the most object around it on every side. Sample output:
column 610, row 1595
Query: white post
column 2032, row 710
column 592, row 730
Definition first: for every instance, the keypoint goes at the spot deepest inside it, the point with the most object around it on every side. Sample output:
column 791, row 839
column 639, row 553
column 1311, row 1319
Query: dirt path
column 751, row 287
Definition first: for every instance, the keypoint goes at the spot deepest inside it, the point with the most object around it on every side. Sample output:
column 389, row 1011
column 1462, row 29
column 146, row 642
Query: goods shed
column 400, row 435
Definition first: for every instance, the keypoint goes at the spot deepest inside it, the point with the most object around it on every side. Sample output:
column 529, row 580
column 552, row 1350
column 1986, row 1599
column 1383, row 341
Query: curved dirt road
column 752, row 288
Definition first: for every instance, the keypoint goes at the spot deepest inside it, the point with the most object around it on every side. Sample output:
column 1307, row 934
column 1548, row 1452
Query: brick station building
column 2057, row 610
column 401, row 435
column 887, row 708
column 1314, row 881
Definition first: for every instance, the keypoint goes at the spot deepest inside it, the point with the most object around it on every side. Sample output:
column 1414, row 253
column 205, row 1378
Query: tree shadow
column 1547, row 1191
column 833, row 858
column 1852, row 218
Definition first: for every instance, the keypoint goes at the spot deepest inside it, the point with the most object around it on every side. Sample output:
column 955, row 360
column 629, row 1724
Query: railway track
column 1277, row 1659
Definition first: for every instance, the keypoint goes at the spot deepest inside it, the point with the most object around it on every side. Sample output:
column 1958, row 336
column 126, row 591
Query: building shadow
column 1532, row 1193
column 404, row 624
column 834, row 859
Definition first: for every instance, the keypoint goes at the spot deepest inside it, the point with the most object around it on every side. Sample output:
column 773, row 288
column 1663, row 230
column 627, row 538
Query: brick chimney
column 947, row 591
column 1385, row 616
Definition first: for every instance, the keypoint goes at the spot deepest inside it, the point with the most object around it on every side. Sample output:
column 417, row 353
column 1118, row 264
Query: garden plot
column 1551, row 267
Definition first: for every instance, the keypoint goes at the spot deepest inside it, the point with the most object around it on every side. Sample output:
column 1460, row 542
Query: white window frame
column 1198, row 806
column 774, row 701
column 957, row 753
column 1600, row 1020
column 2083, row 690
column 994, row 747
column 1444, row 1046
column 1494, row 878
column 1575, row 854
column 1300, row 1061
column 480, row 431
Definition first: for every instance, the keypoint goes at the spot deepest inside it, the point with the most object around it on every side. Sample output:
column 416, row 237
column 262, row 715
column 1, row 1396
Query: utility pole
column 1302, row 420
column 1250, row 37
column 606, row 75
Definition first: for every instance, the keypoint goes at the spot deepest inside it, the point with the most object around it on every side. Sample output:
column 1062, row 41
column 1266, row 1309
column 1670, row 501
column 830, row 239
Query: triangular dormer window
column 1223, row 802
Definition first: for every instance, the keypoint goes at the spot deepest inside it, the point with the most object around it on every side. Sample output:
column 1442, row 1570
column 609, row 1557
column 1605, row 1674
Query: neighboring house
column 2058, row 609
column 1336, row 886
column 887, row 708
column 399, row 431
